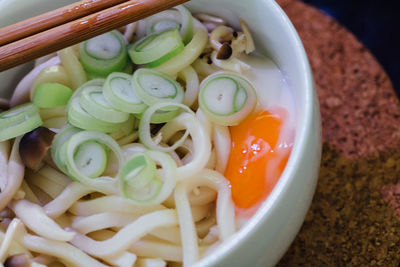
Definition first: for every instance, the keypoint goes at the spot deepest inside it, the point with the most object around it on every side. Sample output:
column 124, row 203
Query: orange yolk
column 253, row 156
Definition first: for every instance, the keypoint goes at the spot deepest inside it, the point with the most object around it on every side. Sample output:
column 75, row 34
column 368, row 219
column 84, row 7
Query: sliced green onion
column 91, row 159
column 119, row 93
column 59, row 139
column 144, row 127
column 145, row 195
column 104, row 184
column 154, row 87
column 50, row 95
column 146, row 185
column 51, row 74
column 18, row 121
column 161, row 116
column 94, row 103
column 157, row 48
column 95, row 83
column 187, row 24
column 164, row 25
column 127, row 128
column 78, row 117
column 137, row 171
column 104, row 54
column 226, row 98
column 190, row 53
column 181, row 19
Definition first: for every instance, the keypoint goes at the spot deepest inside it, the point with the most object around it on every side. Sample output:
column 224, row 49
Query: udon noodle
column 142, row 190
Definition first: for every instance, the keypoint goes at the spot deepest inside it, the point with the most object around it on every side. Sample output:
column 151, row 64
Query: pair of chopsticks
column 69, row 25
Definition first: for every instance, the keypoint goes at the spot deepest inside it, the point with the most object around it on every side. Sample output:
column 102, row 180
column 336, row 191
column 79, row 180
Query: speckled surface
column 352, row 220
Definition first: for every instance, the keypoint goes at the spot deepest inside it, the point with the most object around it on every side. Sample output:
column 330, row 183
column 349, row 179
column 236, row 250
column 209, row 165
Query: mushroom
column 18, row 260
column 208, row 18
column 34, row 146
column 4, row 104
column 250, row 47
column 225, row 51
column 224, row 33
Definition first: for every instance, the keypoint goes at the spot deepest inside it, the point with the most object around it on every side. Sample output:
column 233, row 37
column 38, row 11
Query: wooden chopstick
column 53, row 18
column 54, row 39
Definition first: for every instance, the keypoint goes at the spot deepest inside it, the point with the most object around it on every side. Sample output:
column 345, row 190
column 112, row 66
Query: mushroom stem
column 221, row 32
column 208, row 18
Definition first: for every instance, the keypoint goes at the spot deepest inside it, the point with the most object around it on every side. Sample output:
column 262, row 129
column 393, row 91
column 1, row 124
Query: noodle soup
column 153, row 144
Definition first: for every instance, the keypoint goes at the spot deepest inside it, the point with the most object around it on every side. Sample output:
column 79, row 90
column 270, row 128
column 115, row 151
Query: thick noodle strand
column 110, row 204
column 68, row 254
column 127, row 235
column 15, row 175
column 66, row 199
column 35, row 218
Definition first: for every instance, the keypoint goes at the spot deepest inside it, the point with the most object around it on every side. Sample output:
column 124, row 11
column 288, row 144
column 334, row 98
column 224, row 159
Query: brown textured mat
column 349, row 222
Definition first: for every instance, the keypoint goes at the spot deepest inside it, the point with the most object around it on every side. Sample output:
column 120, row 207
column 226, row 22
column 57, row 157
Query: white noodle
column 225, row 211
column 127, row 235
column 29, row 195
column 8, row 238
column 191, row 79
column 200, row 212
column 205, row 196
column 125, row 259
column 130, row 30
column 202, row 145
column 35, row 218
column 151, row 263
column 170, row 234
column 222, row 143
column 212, row 161
column 73, row 67
column 110, row 204
column 55, row 176
column 100, row 221
column 66, row 253
column 48, row 186
column 187, row 227
column 205, row 122
column 15, row 175
column 4, row 154
column 152, row 249
column 66, row 199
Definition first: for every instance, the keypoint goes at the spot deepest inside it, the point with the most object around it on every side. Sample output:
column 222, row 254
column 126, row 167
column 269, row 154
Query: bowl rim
column 303, row 129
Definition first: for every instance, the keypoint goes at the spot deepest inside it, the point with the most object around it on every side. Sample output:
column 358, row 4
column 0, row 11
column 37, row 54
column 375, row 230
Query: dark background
column 376, row 23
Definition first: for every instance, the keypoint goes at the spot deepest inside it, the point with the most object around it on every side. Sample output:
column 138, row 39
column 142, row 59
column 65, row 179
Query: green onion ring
column 94, row 103
column 154, row 87
column 226, row 98
column 104, row 53
column 104, row 184
column 144, row 127
column 157, row 48
column 117, row 90
column 18, row 121
column 160, row 187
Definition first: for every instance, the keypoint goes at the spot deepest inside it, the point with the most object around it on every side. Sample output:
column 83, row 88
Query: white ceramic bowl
column 265, row 238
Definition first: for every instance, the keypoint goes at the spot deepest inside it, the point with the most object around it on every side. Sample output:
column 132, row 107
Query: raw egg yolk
column 254, row 142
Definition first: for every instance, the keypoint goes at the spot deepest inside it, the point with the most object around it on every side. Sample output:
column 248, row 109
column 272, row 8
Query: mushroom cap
column 225, row 51
column 34, row 146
